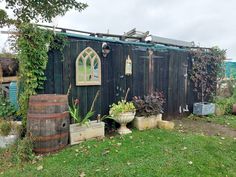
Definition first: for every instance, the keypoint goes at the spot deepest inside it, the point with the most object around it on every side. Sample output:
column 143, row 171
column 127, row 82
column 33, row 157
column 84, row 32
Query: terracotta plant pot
column 143, row 123
column 80, row 133
column 123, row 119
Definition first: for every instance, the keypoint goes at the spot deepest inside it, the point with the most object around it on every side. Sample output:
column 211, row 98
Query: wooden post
column 150, row 71
column 1, row 74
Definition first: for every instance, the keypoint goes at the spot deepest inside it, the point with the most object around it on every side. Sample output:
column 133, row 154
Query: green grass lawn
column 229, row 120
column 149, row 153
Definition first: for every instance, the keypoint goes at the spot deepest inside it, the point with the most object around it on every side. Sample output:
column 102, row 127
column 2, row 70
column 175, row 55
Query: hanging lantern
column 128, row 66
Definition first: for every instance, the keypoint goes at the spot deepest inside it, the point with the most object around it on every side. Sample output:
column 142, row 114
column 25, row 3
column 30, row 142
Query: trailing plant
column 33, row 58
column 5, row 128
column 151, row 104
column 33, row 46
column 207, row 68
column 7, row 110
column 75, row 111
column 59, row 42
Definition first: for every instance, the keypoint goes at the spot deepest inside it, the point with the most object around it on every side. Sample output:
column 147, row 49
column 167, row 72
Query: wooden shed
column 151, row 67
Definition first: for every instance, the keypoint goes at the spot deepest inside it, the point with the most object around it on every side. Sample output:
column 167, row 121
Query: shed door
column 178, row 83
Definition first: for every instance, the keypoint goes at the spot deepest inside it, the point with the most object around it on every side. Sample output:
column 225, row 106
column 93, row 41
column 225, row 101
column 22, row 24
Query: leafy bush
column 7, row 110
column 226, row 103
column 22, row 151
column 5, row 128
column 121, row 107
column 151, row 104
column 207, row 68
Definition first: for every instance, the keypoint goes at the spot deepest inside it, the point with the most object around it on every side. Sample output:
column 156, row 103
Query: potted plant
column 123, row 112
column 84, row 129
column 206, row 70
column 148, row 110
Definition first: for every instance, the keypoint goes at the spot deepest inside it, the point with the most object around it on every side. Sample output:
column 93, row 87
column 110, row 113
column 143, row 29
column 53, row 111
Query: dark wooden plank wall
column 169, row 70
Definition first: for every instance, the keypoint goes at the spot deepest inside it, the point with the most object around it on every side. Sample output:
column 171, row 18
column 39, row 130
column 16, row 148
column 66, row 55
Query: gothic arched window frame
column 85, row 55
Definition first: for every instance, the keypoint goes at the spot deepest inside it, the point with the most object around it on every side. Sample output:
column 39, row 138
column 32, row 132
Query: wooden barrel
column 234, row 109
column 48, row 122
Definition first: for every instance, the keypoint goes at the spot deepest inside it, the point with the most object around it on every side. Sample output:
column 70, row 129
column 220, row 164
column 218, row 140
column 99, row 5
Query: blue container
column 203, row 108
column 230, row 69
column 13, row 94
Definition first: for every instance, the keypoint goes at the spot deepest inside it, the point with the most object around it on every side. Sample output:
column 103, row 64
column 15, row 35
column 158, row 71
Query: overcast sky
column 206, row 22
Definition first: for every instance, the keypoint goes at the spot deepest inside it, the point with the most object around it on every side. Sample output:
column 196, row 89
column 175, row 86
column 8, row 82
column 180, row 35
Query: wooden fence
column 166, row 70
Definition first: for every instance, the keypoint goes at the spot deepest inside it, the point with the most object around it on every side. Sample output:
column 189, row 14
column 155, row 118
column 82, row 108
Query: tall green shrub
column 32, row 45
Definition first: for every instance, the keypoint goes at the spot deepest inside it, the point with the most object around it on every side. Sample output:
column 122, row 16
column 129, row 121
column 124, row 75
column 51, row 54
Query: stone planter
column 8, row 140
column 123, row 119
column 79, row 133
column 143, row 123
column 163, row 124
column 12, row 137
column 203, row 108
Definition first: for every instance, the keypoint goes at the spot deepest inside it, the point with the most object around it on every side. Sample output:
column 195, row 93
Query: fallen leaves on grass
column 82, row 174
column 128, row 163
column 40, row 168
column 105, row 152
column 190, row 162
column 119, row 144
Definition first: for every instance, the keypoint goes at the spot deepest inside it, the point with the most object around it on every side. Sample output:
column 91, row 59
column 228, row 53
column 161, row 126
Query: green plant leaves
column 207, row 68
column 75, row 114
column 6, row 109
column 121, row 107
column 33, row 58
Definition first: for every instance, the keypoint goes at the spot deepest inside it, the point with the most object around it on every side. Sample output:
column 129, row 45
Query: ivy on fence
column 33, row 44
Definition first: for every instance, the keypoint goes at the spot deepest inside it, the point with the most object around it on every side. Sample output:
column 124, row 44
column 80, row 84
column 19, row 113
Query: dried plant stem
column 1, row 74
column 69, row 89
column 94, row 100
column 126, row 95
